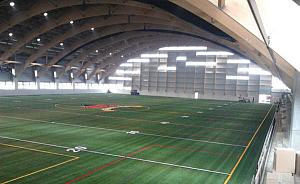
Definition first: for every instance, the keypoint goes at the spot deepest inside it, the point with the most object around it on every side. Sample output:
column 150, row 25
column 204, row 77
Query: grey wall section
column 189, row 95
column 295, row 132
column 209, row 81
column 60, row 91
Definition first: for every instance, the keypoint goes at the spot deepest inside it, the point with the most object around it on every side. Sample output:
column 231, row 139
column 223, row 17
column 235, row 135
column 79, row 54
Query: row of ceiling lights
column 12, row 4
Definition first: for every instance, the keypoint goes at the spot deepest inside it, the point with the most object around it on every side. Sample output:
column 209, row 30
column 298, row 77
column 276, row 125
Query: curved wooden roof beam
column 117, row 29
column 88, row 12
column 252, row 45
column 127, row 36
column 100, row 45
column 119, row 39
column 42, row 6
column 98, row 23
column 157, row 39
column 102, row 22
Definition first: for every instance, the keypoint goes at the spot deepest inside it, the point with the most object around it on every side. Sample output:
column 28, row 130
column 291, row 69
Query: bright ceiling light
column 165, row 68
column 196, row 63
column 181, row 58
column 61, row 44
column 10, row 34
column 253, row 71
column 154, row 55
column 183, row 48
column 214, row 53
column 97, row 50
column 45, row 14
column 122, row 56
column 38, row 39
column 144, row 60
column 92, row 29
column 233, row 77
column 238, row 61
column 71, row 22
column 12, row 4
column 110, row 53
column 132, row 72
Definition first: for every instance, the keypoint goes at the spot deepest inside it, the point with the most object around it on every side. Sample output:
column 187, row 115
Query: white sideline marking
column 122, row 131
column 164, row 122
column 119, row 156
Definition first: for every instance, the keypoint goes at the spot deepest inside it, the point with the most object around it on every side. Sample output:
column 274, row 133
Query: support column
column 295, row 128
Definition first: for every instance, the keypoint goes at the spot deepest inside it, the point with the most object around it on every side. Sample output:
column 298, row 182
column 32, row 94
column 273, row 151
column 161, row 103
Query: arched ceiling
column 113, row 27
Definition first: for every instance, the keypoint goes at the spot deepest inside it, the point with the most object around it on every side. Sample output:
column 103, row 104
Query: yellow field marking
column 36, row 150
column 245, row 150
column 41, row 170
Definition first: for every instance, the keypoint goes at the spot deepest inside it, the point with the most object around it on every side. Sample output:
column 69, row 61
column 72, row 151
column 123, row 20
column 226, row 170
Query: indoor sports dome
column 149, row 92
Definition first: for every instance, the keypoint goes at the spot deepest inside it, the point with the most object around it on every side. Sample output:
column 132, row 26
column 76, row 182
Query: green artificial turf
column 200, row 148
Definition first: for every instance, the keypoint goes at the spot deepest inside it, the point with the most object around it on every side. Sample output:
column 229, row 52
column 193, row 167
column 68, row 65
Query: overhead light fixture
column 85, row 76
column 126, row 65
column 181, row 58
column 238, row 61
column 138, row 60
column 10, row 34
column 110, row 53
column 196, row 63
column 12, row 4
column 72, row 75
column 38, row 39
column 54, row 74
column 122, row 56
column 214, row 53
column 45, row 14
column 61, row 44
column 233, row 77
column 253, row 71
column 183, row 48
column 132, row 72
column 165, row 68
column 92, row 29
column 71, row 22
column 154, row 55
column 97, row 50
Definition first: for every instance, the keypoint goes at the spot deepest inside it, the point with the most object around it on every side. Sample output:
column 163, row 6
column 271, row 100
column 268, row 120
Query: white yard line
column 119, row 156
column 158, row 122
column 123, row 131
